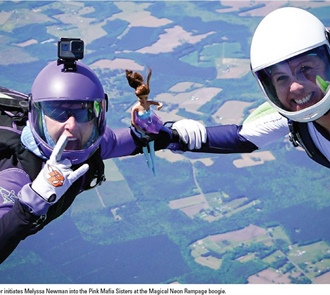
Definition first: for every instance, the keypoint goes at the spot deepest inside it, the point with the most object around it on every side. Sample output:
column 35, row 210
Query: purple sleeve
column 117, row 143
column 15, row 222
column 225, row 139
column 11, row 182
column 15, row 226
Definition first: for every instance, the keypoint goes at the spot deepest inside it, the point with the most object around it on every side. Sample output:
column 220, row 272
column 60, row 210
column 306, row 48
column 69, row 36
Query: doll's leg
column 152, row 156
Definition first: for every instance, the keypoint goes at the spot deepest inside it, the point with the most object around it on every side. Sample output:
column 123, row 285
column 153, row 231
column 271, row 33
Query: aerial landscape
column 260, row 218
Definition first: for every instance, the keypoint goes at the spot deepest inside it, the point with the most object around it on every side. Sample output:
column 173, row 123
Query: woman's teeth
column 303, row 100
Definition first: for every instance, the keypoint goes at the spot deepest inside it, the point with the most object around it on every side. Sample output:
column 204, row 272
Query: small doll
column 144, row 120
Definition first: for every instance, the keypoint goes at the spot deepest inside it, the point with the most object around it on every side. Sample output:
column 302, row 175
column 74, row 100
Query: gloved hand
column 56, row 176
column 191, row 132
column 141, row 139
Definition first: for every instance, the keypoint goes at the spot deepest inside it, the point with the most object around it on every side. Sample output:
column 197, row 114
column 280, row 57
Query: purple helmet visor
column 61, row 111
column 82, row 111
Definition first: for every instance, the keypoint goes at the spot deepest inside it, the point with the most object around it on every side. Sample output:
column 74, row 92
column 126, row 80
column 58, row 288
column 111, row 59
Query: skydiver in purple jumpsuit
column 60, row 151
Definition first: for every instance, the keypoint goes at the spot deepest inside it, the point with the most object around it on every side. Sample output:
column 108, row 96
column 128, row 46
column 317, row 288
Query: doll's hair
column 136, row 81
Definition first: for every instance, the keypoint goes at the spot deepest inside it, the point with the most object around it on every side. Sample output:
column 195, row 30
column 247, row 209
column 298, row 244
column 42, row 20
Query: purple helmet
column 53, row 93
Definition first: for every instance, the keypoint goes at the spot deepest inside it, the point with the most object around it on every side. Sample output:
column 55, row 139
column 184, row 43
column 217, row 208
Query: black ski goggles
column 83, row 112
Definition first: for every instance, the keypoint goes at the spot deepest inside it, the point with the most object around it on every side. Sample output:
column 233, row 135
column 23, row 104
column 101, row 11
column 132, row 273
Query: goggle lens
column 83, row 112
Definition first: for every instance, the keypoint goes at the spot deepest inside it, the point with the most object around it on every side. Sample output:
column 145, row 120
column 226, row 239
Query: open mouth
column 304, row 100
column 73, row 144
column 304, row 103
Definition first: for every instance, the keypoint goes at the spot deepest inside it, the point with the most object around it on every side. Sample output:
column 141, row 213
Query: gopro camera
column 68, row 51
column 70, row 48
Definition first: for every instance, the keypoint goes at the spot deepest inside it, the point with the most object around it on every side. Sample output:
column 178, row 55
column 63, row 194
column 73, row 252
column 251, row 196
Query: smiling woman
column 292, row 84
column 287, row 57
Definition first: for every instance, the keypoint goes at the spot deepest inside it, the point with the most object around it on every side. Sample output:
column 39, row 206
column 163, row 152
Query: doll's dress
column 148, row 121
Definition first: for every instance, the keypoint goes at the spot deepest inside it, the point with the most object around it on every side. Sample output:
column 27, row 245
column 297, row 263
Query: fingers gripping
column 191, row 132
column 197, row 135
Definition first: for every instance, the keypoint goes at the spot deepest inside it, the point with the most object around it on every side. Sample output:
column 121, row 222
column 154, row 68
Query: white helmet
column 291, row 44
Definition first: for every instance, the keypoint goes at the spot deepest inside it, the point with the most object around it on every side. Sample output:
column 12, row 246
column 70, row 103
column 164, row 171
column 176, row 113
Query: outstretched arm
column 261, row 128
column 149, row 76
column 226, row 139
column 156, row 103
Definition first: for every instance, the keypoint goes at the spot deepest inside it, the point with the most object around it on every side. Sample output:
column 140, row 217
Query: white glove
column 56, row 176
column 191, row 132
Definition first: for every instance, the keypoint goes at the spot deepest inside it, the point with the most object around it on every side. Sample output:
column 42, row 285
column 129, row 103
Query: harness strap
column 299, row 136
